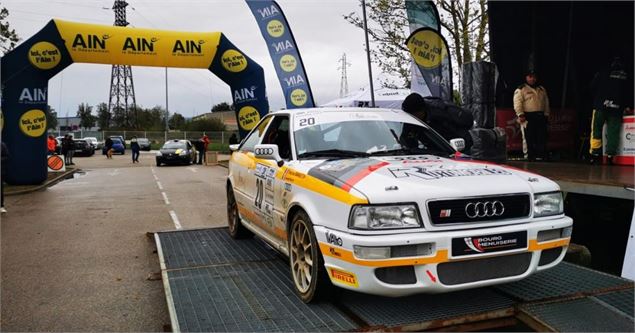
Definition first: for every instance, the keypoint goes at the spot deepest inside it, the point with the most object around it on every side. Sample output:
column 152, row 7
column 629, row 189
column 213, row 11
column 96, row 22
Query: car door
column 242, row 173
column 270, row 190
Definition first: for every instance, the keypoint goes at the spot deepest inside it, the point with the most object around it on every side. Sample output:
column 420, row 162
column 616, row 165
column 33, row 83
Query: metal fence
column 156, row 137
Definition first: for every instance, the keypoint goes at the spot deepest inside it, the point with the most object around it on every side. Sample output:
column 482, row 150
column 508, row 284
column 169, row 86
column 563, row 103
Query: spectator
column 206, row 142
column 200, row 149
column 3, row 174
column 233, row 139
column 65, row 149
column 108, row 147
column 610, row 97
column 51, row 145
column 531, row 104
column 134, row 146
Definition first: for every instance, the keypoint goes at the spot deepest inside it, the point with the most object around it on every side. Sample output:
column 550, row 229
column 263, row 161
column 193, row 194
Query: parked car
column 176, row 152
column 117, row 147
column 83, row 148
column 375, row 201
column 94, row 142
column 144, row 144
column 120, row 138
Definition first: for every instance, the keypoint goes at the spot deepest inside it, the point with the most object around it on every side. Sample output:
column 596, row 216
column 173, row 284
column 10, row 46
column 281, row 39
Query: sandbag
column 489, row 144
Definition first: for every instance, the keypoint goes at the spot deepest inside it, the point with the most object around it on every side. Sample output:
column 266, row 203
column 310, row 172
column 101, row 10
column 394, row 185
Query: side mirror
column 234, row 147
column 457, row 144
column 268, row 152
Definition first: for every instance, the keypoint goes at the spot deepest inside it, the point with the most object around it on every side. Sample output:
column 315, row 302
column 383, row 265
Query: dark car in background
column 120, row 138
column 117, row 146
column 176, row 152
column 144, row 144
column 83, row 148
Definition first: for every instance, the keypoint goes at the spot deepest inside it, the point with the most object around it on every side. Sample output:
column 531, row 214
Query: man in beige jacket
column 532, row 108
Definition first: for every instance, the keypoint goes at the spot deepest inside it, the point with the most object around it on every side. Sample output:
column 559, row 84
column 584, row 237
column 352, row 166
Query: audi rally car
column 375, row 201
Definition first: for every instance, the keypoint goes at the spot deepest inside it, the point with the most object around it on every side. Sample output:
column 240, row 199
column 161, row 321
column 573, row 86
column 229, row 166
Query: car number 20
column 307, row 121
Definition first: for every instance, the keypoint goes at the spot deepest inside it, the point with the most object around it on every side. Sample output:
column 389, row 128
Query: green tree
column 8, row 37
column 103, row 116
column 177, row 121
column 224, row 106
column 51, row 118
column 466, row 24
column 85, row 115
column 205, row 125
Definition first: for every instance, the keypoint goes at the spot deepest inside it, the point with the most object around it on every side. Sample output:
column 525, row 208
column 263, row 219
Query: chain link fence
column 157, row 138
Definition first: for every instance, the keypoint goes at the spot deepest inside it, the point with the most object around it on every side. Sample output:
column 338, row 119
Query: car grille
column 396, row 275
column 549, row 256
column 452, row 273
column 444, row 212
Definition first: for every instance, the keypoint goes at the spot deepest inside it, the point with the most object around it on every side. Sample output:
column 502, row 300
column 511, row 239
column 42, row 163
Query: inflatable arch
column 27, row 69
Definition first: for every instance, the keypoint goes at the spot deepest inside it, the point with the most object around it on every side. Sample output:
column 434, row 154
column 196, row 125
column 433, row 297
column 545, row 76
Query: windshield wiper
column 334, row 153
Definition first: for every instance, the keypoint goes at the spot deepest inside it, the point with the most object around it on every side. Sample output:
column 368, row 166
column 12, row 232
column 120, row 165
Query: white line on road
column 160, row 186
column 175, row 219
column 156, row 178
column 165, row 198
column 193, row 169
column 114, row 172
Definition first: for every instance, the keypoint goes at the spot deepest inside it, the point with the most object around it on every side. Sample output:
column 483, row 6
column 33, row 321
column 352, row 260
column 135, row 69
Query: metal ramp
column 214, row 283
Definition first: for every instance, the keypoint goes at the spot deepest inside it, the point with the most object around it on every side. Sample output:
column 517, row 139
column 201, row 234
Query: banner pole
column 370, row 70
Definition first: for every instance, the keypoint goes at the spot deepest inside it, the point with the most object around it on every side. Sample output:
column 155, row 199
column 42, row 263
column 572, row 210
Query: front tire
column 309, row 276
column 236, row 228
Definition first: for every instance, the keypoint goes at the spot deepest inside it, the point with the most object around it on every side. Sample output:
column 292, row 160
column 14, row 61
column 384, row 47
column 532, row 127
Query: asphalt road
column 76, row 256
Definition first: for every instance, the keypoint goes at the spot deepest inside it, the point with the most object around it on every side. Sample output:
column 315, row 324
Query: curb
column 46, row 184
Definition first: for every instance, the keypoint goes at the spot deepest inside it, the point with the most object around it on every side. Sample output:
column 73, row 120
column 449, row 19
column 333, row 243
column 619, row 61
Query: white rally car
column 375, row 201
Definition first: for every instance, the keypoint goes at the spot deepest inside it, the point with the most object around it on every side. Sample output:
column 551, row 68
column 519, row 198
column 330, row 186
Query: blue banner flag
column 284, row 53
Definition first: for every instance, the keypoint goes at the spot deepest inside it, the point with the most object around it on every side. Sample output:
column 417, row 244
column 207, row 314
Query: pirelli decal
column 343, row 277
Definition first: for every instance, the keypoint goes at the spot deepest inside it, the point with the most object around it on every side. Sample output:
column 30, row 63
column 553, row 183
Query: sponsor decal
column 489, row 243
column 139, row 46
column 244, row 95
column 438, row 173
column 90, row 43
column 32, row 96
column 288, row 63
column 33, row 123
column 248, row 117
column 343, row 277
column 44, row 55
column 298, row 97
column 427, row 48
column 294, row 81
column 234, row 61
column 332, row 238
column 445, row 213
column 267, row 12
column 282, row 46
column 288, row 187
column 188, row 48
column 431, row 276
column 275, row 28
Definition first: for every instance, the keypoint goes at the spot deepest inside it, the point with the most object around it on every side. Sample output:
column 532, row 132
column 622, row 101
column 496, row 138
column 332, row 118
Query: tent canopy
column 384, row 98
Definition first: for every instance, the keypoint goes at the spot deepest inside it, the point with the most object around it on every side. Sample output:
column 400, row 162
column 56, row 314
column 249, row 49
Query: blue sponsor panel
column 284, row 53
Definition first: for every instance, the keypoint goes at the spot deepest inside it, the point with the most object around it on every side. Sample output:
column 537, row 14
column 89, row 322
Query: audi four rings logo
column 264, row 151
column 484, row 209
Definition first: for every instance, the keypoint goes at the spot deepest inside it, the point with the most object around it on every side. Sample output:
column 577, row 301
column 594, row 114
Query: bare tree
column 464, row 22
column 8, row 37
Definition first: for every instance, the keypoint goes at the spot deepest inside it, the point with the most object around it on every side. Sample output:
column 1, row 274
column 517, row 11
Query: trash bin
column 211, row 158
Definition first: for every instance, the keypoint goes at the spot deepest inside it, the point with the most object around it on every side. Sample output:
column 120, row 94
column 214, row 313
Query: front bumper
column 174, row 159
column 440, row 270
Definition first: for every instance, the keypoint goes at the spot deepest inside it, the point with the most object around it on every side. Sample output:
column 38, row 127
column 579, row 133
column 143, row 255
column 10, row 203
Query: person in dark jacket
column 200, row 148
column 65, row 149
column 3, row 173
column 108, row 147
column 134, row 146
column 447, row 119
column 71, row 149
column 233, row 139
column 610, row 98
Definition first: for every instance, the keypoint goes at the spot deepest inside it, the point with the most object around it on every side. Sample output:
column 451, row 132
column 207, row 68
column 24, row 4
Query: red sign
column 561, row 132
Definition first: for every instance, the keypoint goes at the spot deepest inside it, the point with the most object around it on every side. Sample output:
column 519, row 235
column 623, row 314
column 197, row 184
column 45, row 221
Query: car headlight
column 183, row 152
column 546, row 204
column 384, row 217
column 159, row 154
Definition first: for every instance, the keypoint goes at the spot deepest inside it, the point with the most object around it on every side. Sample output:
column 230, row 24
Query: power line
column 344, row 78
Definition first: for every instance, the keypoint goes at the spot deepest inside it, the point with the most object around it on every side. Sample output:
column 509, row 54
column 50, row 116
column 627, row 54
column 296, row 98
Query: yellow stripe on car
column 348, row 256
column 535, row 246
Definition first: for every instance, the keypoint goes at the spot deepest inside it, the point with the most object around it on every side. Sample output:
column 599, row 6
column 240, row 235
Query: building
column 226, row 117
column 71, row 124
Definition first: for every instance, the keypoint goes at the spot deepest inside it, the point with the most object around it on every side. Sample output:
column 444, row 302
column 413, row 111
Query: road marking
column 175, row 219
column 156, row 178
column 114, row 172
column 160, row 186
column 193, row 169
column 165, row 198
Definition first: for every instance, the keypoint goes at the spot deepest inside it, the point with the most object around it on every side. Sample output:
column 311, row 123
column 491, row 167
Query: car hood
column 171, row 151
column 414, row 178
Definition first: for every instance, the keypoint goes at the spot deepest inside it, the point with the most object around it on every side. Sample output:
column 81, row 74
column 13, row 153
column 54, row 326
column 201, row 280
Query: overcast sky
column 321, row 33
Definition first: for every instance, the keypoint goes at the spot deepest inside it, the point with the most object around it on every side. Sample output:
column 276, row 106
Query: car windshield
column 142, row 140
column 115, row 140
column 174, row 145
column 361, row 138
